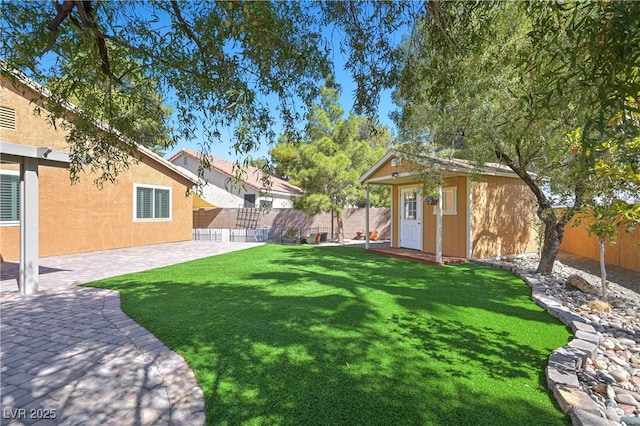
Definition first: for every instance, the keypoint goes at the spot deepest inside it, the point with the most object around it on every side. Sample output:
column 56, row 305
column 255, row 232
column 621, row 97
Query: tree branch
column 187, row 29
column 543, row 201
column 63, row 11
column 85, row 10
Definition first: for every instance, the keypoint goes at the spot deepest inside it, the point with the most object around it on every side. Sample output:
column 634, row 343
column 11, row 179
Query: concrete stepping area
column 70, row 356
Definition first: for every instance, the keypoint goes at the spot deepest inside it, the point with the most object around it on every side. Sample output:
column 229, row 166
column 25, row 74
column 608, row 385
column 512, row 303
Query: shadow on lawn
column 418, row 286
column 347, row 348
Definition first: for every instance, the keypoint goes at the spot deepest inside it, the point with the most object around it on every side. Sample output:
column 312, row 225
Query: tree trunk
column 553, row 227
column 553, row 233
column 332, row 233
column 603, row 271
column 550, row 248
column 340, row 224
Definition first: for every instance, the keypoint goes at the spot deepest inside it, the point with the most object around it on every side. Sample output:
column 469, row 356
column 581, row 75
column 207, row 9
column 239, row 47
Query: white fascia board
column 275, row 192
column 470, row 170
column 380, row 163
column 390, row 180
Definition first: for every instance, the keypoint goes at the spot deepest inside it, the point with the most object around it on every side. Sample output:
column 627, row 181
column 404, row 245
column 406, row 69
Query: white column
column 366, row 219
column 439, row 226
column 29, row 270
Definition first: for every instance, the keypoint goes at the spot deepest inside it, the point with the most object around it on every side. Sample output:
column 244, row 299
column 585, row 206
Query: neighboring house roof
column 253, row 176
column 74, row 109
column 448, row 164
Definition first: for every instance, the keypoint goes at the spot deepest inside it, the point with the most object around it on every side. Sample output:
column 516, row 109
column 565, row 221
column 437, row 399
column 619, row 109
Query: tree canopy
column 508, row 81
column 241, row 65
column 146, row 120
column 331, row 157
column 491, row 80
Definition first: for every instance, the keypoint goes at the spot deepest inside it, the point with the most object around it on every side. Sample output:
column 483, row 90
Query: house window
column 249, row 201
column 410, row 205
column 9, row 198
column 7, row 118
column 266, row 203
column 449, row 201
column 152, row 203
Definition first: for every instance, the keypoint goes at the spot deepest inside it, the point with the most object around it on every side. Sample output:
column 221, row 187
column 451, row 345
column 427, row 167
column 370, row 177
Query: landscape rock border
column 565, row 362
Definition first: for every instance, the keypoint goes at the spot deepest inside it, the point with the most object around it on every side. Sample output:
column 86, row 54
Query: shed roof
column 446, row 164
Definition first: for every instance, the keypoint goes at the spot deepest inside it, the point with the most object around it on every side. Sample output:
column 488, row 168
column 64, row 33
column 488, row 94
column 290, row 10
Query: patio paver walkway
column 69, row 355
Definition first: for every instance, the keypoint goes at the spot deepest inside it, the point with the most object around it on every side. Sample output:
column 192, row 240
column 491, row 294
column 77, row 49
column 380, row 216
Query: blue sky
column 225, row 150
column 343, row 77
column 348, row 86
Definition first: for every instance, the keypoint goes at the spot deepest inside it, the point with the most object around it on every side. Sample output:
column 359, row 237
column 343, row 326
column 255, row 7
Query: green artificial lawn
column 303, row 335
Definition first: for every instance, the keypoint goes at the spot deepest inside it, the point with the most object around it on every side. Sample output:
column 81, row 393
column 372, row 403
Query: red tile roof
column 252, row 176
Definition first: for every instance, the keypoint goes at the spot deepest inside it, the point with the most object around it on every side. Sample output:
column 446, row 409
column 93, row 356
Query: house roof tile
column 250, row 175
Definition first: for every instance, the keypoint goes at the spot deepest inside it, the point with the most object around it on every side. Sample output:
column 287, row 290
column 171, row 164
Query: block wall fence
column 625, row 253
column 354, row 220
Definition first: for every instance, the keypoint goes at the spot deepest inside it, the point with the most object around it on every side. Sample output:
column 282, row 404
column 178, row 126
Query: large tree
column 331, row 157
column 241, row 65
column 146, row 121
column 507, row 81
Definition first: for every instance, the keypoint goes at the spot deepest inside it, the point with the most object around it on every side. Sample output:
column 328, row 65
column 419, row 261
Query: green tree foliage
column 371, row 32
column 328, row 162
column 145, row 121
column 231, row 64
column 507, row 81
column 612, row 187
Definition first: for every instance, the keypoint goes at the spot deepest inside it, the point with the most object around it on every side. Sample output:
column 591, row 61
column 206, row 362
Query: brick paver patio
column 69, row 355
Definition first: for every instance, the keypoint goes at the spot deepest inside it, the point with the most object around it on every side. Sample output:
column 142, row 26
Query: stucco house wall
column 222, row 190
column 80, row 217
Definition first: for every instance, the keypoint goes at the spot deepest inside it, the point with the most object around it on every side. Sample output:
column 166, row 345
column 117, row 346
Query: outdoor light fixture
column 394, row 175
column 43, row 151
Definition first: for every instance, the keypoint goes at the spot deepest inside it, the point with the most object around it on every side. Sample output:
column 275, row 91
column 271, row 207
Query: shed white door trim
column 410, row 219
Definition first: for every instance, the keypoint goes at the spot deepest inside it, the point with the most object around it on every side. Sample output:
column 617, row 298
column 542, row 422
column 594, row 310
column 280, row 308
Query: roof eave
column 74, row 109
column 439, row 164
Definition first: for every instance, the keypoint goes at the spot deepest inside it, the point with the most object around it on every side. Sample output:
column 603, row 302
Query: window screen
column 9, row 198
column 153, row 203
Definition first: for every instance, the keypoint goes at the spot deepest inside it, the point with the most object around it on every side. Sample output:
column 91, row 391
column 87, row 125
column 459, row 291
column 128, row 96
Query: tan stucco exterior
column 80, row 217
column 495, row 219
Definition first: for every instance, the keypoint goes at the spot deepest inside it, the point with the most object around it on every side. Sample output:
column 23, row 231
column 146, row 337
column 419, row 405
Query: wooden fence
column 624, row 253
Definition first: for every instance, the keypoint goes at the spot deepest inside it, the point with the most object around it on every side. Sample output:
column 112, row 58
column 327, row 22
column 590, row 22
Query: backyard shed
column 478, row 212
